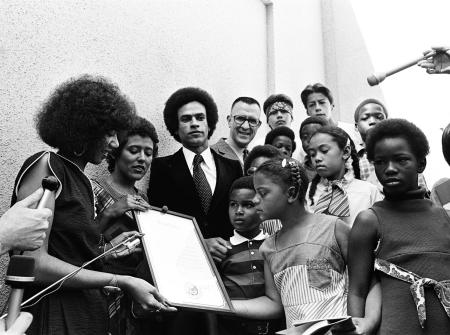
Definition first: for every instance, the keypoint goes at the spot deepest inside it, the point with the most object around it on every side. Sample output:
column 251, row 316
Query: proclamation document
column 181, row 266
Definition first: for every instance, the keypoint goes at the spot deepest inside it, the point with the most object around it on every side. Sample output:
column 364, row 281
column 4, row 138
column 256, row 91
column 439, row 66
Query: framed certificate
column 180, row 263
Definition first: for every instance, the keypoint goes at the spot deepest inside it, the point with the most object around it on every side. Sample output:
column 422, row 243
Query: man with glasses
column 244, row 123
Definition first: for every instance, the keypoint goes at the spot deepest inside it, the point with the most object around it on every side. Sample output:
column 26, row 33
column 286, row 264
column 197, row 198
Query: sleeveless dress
column 309, row 275
column 73, row 239
column 415, row 236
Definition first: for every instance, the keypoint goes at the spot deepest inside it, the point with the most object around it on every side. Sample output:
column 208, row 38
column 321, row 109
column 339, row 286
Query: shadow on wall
column 347, row 60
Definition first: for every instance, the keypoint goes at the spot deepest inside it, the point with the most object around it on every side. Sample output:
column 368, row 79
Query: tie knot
column 198, row 159
column 245, row 153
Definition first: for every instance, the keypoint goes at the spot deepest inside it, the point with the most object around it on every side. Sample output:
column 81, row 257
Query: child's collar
column 238, row 238
column 346, row 179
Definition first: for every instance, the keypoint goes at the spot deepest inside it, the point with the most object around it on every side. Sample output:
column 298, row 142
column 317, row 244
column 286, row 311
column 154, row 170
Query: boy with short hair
column 367, row 114
column 319, row 101
column 282, row 138
column 242, row 270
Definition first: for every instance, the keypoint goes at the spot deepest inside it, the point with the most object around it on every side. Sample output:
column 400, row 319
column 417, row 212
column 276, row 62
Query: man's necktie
column 335, row 201
column 244, row 154
column 201, row 184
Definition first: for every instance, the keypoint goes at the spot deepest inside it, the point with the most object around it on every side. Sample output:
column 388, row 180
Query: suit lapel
column 181, row 174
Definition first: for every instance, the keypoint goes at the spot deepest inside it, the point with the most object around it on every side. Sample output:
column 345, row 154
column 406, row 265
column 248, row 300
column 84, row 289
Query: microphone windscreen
column 372, row 80
column 20, row 271
column 50, row 183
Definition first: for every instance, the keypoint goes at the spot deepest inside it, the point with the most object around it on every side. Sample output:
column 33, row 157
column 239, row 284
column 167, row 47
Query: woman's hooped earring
column 80, row 153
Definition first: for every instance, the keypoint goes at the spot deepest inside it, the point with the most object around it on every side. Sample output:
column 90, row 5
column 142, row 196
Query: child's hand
column 218, row 248
column 362, row 327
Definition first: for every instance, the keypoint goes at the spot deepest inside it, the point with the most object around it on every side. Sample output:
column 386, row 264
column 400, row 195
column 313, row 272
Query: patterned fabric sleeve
column 102, row 198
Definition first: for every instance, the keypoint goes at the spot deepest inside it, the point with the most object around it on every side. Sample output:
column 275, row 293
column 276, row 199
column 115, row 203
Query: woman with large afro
column 80, row 119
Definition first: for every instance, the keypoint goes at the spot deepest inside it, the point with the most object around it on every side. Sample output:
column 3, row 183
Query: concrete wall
column 149, row 48
column 347, row 60
column 298, row 52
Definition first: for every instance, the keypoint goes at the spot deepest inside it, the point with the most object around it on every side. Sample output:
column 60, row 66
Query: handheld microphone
column 129, row 242
column 19, row 275
column 50, row 184
column 375, row 79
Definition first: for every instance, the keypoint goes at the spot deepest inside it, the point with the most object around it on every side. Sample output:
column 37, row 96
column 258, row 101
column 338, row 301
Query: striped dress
column 310, row 273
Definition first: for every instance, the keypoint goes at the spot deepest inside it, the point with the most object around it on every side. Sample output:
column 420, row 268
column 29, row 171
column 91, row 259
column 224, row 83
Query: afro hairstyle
column 81, row 111
column 446, row 143
column 394, row 128
column 184, row 96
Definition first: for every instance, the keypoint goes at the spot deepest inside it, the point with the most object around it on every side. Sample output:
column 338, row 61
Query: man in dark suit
column 194, row 181
column 190, row 116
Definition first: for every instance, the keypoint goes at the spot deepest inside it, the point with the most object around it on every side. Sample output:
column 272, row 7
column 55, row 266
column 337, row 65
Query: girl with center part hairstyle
column 304, row 262
column 337, row 189
column 405, row 238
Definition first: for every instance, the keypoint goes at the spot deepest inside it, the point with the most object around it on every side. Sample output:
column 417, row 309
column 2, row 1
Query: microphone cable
column 130, row 243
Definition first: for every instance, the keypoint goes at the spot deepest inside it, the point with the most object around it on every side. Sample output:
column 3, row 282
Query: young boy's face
column 306, row 132
column 242, row 210
column 369, row 115
column 396, row 166
column 284, row 145
column 318, row 104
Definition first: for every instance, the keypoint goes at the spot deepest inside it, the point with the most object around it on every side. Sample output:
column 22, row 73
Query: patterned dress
column 310, row 274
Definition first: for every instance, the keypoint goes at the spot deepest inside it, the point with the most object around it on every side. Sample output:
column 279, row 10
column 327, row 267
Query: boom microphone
column 377, row 78
column 50, row 184
column 19, row 275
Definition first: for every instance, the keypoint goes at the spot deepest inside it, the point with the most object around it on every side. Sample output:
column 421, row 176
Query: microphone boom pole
column 375, row 79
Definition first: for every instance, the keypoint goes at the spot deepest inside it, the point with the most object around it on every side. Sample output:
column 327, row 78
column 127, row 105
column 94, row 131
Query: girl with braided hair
column 337, row 189
column 305, row 261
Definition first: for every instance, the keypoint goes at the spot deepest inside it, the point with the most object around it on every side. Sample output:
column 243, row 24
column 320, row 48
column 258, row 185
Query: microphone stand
column 73, row 273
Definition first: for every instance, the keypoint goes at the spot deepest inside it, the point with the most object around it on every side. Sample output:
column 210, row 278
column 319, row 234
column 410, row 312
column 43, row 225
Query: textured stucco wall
column 149, row 48
column 299, row 58
column 347, row 60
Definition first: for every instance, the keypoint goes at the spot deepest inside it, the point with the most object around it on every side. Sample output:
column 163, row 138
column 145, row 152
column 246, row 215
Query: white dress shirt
column 208, row 165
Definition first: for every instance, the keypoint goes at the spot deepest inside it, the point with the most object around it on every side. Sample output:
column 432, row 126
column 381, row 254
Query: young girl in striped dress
column 304, row 262
column 337, row 189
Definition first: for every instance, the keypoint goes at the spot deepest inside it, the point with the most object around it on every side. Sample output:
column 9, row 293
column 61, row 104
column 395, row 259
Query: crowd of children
column 334, row 214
